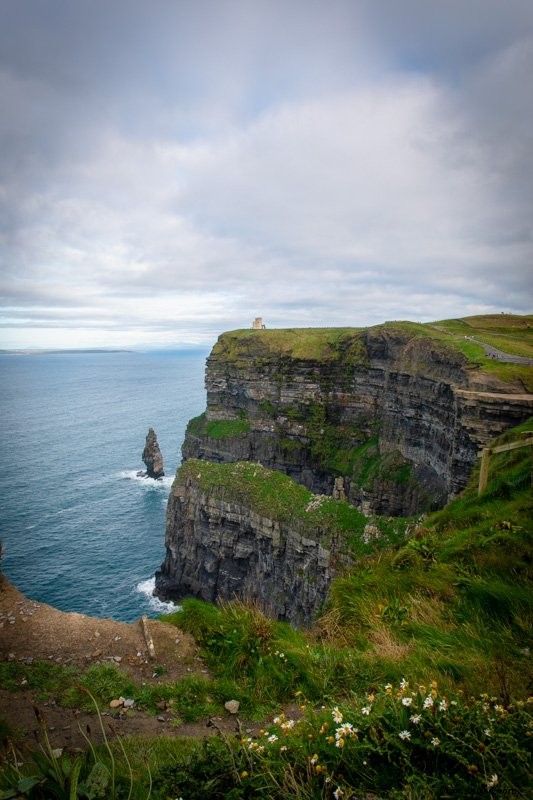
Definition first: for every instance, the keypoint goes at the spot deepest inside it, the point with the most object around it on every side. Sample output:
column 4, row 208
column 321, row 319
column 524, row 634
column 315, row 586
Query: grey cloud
column 171, row 166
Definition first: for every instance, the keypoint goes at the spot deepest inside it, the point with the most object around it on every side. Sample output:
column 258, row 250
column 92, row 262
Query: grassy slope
column 451, row 599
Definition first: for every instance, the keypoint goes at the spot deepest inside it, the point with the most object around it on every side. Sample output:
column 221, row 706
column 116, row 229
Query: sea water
column 80, row 529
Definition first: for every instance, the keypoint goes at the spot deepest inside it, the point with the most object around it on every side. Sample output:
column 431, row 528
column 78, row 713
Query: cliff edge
column 395, row 411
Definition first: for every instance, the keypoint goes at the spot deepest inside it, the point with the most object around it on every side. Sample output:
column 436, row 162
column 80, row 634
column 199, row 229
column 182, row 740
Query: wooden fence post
column 484, row 469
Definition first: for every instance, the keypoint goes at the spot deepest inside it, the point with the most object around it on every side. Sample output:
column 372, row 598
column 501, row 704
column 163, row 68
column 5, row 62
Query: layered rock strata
column 395, row 414
column 152, row 456
column 223, row 544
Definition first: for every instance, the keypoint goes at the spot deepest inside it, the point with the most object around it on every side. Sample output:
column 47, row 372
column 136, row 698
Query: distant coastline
column 36, row 352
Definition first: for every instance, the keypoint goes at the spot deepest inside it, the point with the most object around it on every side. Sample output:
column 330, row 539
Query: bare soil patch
column 32, row 631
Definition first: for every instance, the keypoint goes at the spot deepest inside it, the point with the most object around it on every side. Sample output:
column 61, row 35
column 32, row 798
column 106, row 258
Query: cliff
column 396, row 412
column 244, row 531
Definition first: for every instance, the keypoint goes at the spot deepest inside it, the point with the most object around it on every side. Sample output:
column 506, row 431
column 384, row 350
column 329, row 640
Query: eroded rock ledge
column 244, row 531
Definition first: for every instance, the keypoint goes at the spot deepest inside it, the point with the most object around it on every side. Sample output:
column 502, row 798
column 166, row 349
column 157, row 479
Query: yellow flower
column 244, row 774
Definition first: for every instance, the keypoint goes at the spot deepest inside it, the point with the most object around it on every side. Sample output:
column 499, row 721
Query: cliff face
column 220, row 545
column 398, row 416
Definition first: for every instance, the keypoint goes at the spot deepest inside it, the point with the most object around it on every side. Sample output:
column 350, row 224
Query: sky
column 171, row 169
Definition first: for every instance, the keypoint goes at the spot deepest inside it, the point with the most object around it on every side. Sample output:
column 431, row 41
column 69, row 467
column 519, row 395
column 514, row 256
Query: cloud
column 169, row 171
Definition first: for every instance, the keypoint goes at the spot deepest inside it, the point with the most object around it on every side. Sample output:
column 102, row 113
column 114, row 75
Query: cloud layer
column 170, row 170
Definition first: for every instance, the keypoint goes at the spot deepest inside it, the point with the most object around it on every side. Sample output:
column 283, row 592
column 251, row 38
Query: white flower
column 404, row 684
column 407, row 701
column 282, row 749
column 415, row 718
column 338, row 793
column 339, row 742
column 314, row 759
column 345, row 730
column 273, row 738
column 435, row 741
column 287, row 725
column 366, row 710
column 443, row 705
column 404, row 735
column 428, row 702
column 336, row 714
column 487, row 732
column 493, row 780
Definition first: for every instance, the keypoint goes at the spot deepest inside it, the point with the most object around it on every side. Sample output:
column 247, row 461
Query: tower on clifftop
column 258, row 325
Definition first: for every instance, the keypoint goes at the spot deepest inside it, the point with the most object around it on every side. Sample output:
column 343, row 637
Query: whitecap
column 150, row 483
column 160, row 606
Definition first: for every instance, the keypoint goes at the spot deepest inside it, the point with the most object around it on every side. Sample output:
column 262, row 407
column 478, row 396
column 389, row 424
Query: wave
column 150, row 483
column 160, row 606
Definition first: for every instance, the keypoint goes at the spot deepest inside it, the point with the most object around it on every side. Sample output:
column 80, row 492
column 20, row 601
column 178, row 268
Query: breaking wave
column 159, row 606
column 149, row 483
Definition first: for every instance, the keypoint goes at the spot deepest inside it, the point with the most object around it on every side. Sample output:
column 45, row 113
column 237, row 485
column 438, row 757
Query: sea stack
column 152, row 456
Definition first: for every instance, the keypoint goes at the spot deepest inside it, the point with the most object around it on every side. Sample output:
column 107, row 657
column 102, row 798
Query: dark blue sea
column 79, row 529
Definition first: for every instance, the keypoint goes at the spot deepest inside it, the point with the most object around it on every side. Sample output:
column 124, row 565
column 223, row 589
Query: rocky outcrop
column 223, row 543
column 152, row 456
column 398, row 415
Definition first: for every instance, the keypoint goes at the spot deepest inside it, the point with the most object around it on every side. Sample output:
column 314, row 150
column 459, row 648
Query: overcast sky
column 170, row 169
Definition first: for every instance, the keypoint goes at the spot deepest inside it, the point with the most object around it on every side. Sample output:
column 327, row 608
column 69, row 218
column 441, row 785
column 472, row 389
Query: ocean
column 79, row 529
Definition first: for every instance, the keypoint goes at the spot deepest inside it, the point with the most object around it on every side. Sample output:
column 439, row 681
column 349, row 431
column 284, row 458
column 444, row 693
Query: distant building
column 257, row 324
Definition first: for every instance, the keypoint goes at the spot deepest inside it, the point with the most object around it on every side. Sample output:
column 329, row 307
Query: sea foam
column 149, row 483
column 159, row 606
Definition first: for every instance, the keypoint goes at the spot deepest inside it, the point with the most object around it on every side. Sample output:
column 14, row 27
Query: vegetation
column 413, row 683
column 509, row 333
column 217, row 429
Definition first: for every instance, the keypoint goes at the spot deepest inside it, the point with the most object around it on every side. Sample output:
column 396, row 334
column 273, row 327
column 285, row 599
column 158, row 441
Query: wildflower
column 283, row 749
column 279, row 720
column 428, row 702
column 388, row 688
column 336, row 714
column 404, row 735
column 314, row 759
column 435, row 741
column 415, row 718
column 287, row 725
column 330, row 739
column 339, row 743
column 371, row 697
column 345, row 730
column 260, row 749
column 273, row 738
column 366, row 710
column 244, row 774
column 443, row 705
column 324, row 728
column 407, row 701
column 493, row 780
column 404, row 685
column 338, row 793
column 253, row 746
column 499, row 709
column 487, row 732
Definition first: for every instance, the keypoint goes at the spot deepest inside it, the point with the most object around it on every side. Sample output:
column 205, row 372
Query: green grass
column 217, row 429
column 345, row 347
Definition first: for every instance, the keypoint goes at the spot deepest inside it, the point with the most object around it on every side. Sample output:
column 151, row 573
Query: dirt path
column 31, row 631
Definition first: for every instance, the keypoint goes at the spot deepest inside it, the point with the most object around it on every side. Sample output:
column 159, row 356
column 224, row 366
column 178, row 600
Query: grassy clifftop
column 509, row 333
